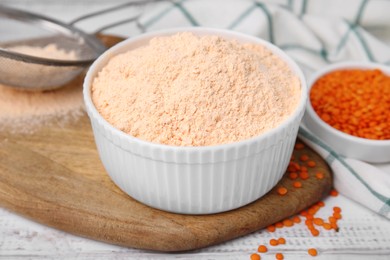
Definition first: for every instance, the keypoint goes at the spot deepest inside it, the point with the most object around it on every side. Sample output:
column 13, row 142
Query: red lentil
column 311, row 164
column 279, row 224
column 293, row 175
column 297, row 184
column 262, row 249
column 296, row 219
column 271, row 228
column 318, row 221
column 319, row 175
column 299, row 146
column 304, row 158
column 312, row 251
column 354, row 101
column 334, row 193
column 288, row 223
column 304, row 175
column 282, row 191
column 273, row 242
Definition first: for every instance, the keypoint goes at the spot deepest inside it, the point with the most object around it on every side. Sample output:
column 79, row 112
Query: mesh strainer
column 27, row 72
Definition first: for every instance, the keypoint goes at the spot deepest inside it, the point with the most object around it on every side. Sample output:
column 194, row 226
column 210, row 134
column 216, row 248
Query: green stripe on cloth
column 186, row 13
column 330, row 159
column 269, row 19
column 164, row 12
column 303, row 8
column 363, row 43
column 290, row 4
column 360, row 12
column 242, row 16
column 315, row 140
column 344, row 39
column 156, row 18
column 385, row 209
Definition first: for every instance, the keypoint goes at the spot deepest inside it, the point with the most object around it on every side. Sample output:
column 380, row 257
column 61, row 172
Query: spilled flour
column 26, row 112
column 50, row 51
column 185, row 90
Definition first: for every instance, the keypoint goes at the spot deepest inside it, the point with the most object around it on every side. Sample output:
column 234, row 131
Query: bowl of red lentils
column 349, row 109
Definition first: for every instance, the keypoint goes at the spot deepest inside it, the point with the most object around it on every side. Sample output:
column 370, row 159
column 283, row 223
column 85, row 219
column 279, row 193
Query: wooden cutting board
column 54, row 176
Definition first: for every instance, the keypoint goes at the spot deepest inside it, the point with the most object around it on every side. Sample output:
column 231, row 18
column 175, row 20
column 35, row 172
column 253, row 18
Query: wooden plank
column 54, row 176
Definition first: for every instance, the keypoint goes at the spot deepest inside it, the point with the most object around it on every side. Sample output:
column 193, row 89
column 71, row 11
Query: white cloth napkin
column 314, row 33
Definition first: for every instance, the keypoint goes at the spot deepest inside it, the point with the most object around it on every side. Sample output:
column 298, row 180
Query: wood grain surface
column 54, row 176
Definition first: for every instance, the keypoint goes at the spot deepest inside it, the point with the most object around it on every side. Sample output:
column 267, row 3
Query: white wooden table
column 363, row 234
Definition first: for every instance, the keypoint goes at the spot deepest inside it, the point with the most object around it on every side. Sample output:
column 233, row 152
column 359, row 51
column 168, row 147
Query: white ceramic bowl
column 374, row 151
column 194, row 180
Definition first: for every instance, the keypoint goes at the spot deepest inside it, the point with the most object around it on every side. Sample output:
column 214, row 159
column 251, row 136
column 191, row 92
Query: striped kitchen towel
column 313, row 32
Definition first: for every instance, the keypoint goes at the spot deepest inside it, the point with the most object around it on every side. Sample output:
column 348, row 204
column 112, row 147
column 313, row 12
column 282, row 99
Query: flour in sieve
column 24, row 112
column 50, row 51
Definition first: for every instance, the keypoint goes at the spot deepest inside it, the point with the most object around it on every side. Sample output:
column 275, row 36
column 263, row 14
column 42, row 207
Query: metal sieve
column 28, row 72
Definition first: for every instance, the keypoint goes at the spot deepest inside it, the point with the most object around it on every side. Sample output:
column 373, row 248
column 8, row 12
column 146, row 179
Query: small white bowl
column 373, row 151
column 194, row 180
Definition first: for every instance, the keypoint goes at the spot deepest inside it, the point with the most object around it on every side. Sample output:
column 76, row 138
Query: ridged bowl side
column 194, row 180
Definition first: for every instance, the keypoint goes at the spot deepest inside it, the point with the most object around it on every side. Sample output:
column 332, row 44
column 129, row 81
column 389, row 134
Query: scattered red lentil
column 303, row 213
column 262, row 249
column 281, row 241
column 296, row 170
column 312, row 211
column 354, row 101
column 293, row 175
column 273, row 242
column 315, row 207
column 311, row 164
column 304, row 157
column 314, row 232
column 327, row 226
column 334, row 193
column 319, row 175
column 332, row 219
column 312, row 251
column 293, row 167
column 304, row 175
column 337, row 209
column 296, row 219
column 318, row 221
column 271, row 228
column 337, row 215
column 297, row 184
column 299, row 146
column 279, row 224
column 309, row 223
column 288, row 223
column 282, row 191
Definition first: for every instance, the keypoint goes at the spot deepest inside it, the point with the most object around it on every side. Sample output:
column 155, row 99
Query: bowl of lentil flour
column 195, row 120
